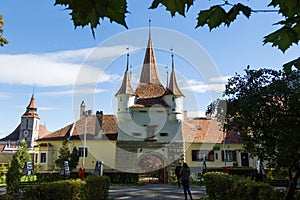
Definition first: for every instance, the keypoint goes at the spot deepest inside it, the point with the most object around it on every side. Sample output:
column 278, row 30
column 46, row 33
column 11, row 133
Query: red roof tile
column 149, row 90
column 207, row 131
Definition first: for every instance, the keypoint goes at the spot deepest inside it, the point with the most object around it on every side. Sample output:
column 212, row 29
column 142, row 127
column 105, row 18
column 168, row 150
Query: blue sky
column 46, row 53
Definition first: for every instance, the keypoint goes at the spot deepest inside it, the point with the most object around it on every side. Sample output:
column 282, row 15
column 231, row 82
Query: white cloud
column 61, row 68
column 4, row 95
column 49, row 108
column 201, row 87
column 223, row 79
column 72, row 91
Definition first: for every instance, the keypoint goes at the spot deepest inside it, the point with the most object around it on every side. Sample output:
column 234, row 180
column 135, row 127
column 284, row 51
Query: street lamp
column 84, row 138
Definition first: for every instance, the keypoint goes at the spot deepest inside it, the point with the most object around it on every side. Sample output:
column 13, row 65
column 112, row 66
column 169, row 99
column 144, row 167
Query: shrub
column 67, row 189
column 97, row 187
column 227, row 187
column 218, row 185
column 122, row 177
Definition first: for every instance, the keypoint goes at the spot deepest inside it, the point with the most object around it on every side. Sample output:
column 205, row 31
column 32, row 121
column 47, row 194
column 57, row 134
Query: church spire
column 149, row 72
column 173, row 86
column 126, row 85
column 31, row 109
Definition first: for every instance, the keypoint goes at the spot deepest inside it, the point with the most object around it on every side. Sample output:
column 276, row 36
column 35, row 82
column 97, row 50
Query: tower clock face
column 25, row 133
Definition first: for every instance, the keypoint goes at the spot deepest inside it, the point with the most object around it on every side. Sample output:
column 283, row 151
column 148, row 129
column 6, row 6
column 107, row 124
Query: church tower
column 174, row 98
column 30, row 122
column 125, row 96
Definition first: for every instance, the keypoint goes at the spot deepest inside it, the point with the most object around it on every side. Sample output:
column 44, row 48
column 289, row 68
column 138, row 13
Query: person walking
column 185, row 173
column 177, row 173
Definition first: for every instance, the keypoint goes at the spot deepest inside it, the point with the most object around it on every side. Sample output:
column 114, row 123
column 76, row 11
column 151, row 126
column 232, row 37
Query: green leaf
column 287, row 8
column 282, row 38
column 180, row 6
column 235, row 10
column 90, row 12
column 213, row 17
column 287, row 67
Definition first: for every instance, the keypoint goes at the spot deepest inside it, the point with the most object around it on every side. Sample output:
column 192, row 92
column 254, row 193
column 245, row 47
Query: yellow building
column 93, row 135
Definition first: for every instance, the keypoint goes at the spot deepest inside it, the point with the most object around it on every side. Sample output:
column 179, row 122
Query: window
column 137, row 134
column 43, row 158
column 164, row 134
column 81, row 152
column 202, row 155
column 230, row 156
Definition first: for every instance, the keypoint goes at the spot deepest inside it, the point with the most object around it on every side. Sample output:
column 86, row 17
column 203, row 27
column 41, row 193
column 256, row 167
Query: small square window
column 43, row 158
column 82, row 153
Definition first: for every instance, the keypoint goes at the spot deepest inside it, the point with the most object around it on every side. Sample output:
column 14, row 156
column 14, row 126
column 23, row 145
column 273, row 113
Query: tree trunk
column 292, row 185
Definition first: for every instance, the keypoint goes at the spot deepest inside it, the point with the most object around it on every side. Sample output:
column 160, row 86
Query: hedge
column 228, row 187
column 93, row 187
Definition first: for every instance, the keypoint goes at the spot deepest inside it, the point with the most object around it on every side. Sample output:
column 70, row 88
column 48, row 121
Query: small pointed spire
column 149, row 25
column 167, row 76
column 31, row 104
column 126, row 85
column 173, row 86
column 127, row 64
column 31, row 109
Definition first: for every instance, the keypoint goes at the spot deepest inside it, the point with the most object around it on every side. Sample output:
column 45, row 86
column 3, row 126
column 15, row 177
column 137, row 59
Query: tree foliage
column 66, row 155
column 265, row 105
column 89, row 12
column 3, row 41
column 14, row 173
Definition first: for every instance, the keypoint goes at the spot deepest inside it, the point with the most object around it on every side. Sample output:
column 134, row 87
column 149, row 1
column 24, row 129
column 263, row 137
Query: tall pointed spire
column 149, row 72
column 149, row 85
column 173, row 86
column 126, row 85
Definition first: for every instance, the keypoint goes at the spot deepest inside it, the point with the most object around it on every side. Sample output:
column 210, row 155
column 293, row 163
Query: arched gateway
column 152, row 169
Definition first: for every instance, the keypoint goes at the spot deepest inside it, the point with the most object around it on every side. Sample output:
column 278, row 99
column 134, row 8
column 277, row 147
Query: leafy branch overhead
column 3, row 41
column 89, row 12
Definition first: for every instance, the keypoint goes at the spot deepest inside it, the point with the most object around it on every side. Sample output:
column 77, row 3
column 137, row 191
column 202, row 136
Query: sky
column 62, row 65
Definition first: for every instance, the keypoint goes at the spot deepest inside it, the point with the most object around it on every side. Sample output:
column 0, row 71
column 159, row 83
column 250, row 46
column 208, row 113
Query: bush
column 93, row 187
column 97, row 187
column 241, row 171
column 218, row 185
column 122, row 177
column 227, row 187
column 67, row 189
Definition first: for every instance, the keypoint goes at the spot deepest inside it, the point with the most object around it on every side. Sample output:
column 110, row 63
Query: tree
column 265, row 105
column 3, row 41
column 14, row 173
column 74, row 158
column 66, row 155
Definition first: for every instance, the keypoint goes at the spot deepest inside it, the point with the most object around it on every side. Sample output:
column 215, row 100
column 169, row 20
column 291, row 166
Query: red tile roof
column 207, row 131
column 149, row 90
column 109, row 129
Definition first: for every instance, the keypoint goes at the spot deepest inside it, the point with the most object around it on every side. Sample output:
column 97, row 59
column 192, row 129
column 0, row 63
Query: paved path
column 153, row 191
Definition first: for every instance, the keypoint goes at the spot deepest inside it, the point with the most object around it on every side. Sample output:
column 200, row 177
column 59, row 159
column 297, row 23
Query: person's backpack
column 185, row 176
